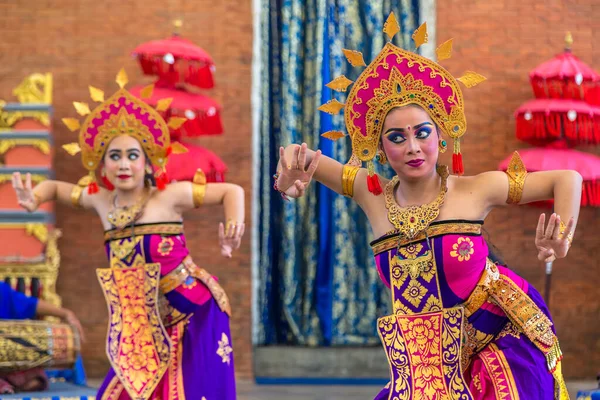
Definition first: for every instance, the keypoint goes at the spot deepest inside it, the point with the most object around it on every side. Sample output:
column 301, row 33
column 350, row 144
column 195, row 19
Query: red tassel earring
column 92, row 187
column 457, row 161
column 373, row 183
column 106, row 182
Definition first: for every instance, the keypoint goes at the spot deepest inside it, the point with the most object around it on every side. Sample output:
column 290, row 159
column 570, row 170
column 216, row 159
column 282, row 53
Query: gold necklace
column 412, row 220
column 120, row 217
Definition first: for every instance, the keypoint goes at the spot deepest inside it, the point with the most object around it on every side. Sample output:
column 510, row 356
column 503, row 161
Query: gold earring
column 148, row 170
column 442, row 146
column 381, row 157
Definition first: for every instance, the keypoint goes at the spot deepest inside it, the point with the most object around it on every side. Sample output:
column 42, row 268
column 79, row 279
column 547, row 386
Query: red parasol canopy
column 182, row 167
column 566, row 77
column 202, row 112
column 176, row 60
column 545, row 159
column 545, row 120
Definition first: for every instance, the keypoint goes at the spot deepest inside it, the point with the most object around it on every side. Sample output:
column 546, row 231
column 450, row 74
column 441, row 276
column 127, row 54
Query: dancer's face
column 410, row 141
column 125, row 162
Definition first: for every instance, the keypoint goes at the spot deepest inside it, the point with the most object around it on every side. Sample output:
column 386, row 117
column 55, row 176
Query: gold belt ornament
column 187, row 269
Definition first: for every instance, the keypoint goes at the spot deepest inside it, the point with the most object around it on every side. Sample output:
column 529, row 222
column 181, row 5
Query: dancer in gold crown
column 463, row 327
column 168, row 334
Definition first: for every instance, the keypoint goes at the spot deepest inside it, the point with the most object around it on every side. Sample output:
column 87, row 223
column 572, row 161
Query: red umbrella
column 202, row 112
column 545, row 120
column 566, row 77
column 183, row 166
column 176, row 60
column 546, row 159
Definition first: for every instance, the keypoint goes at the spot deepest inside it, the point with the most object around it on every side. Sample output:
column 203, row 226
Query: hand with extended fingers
column 553, row 241
column 230, row 237
column 294, row 177
column 25, row 196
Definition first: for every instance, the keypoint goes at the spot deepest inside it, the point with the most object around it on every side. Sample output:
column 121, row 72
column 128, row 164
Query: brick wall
column 504, row 40
column 85, row 42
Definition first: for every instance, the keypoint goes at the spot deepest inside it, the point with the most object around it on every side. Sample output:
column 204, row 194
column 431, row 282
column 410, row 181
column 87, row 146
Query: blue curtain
column 318, row 284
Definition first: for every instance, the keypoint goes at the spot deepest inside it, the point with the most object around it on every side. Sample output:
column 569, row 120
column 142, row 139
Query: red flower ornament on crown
column 398, row 78
column 121, row 114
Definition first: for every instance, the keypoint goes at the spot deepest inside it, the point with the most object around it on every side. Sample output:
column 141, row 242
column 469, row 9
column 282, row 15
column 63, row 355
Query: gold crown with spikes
column 122, row 114
column 396, row 78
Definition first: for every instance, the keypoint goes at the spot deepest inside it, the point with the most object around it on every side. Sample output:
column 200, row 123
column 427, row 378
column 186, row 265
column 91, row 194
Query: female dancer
column 463, row 327
column 168, row 334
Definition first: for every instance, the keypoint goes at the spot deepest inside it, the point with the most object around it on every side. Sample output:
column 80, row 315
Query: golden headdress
column 121, row 114
column 397, row 78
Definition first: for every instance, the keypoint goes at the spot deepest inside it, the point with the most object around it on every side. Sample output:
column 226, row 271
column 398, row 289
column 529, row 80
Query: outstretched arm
column 298, row 165
column 564, row 187
column 188, row 195
column 66, row 193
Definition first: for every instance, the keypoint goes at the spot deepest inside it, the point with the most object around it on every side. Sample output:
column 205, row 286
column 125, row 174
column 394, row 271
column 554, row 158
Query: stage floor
column 248, row 390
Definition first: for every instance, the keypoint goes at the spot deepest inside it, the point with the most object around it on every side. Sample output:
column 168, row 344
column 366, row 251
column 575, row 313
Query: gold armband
column 198, row 188
column 348, row 176
column 198, row 192
column 517, row 173
column 76, row 196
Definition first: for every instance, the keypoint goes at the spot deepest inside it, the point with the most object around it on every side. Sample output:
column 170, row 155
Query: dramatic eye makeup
column 397, row 135
column 423, row 131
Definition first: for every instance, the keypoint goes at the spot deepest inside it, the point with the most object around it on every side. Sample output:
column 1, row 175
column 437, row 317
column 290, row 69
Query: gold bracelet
column 348, row 176
column 198, row 192
column 561, row 232
column 76, row 196
column 517, row 173
column 37, row 199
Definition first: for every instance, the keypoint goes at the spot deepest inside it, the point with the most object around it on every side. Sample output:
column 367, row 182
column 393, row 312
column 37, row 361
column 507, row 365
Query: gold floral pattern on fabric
column 411, row 251
column 509, row 330
column 138, row 346
column 175, row 372
column 477, row 382
column 474, row 342
column 416, row 267
column 169, row 315
column 414, row 293
column 463, row 249
column 224, row 351
column 424, row 355
column 392, row 240
column 140, row 230
column 124, row 249
column 165, row 246
column 499, row 372
column 413, row 280
column 113, row 390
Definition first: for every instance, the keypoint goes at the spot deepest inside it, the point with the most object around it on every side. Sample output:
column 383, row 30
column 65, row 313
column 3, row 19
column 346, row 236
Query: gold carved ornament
column 412, row 220
column 120, row 217
column 517, row 173
column 41, row 144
